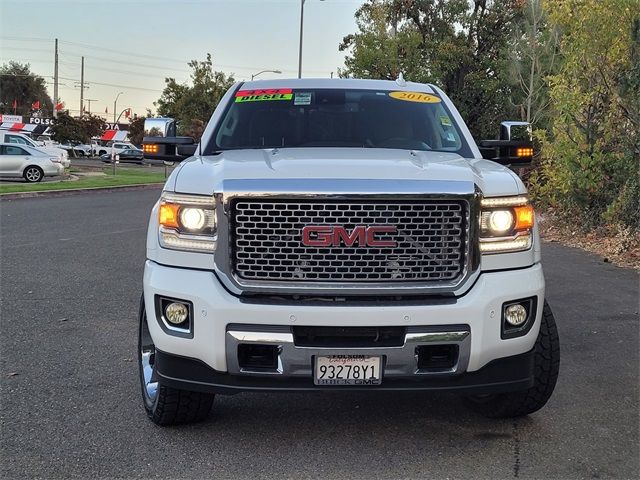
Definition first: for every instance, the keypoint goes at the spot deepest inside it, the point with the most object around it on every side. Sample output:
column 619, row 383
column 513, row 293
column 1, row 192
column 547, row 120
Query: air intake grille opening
column 339, row 337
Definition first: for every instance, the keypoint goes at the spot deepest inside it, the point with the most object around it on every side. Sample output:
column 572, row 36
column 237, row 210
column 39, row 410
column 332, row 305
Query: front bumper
column 501, row 375
column 217, row 313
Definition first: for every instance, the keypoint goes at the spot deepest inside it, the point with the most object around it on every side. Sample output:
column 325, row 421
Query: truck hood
column 205, row 174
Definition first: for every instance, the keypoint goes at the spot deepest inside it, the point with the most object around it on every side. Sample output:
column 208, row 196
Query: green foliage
column 66, row 128
column 571, row 67
column 192, row 105
column 18, row 83
column 456, row 44
column 533, row 56
column 590, row 152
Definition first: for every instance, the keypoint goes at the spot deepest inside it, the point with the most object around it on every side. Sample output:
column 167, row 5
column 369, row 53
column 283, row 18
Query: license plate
column 348, row 370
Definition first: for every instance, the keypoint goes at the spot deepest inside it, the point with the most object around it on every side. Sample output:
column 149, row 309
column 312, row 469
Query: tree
column 192, row 105
column 456, row 44
column 591, row 152
column 136, row 131
column 66, row 128
column 19, row 84
column 533, row 58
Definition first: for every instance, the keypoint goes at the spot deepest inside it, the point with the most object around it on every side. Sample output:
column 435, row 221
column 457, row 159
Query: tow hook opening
column 435, row 358
column 257, row 357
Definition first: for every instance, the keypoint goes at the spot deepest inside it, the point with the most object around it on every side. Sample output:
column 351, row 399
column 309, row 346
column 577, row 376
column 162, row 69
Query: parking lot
column 71, row 277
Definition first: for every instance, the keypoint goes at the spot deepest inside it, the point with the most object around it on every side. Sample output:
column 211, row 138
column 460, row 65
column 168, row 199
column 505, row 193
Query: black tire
column 33, row 174
column 547, row 366
column 166, row 405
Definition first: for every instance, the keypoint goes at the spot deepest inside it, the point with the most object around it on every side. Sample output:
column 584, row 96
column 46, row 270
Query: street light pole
column 300, row 49
column 115, row 108
column 265, row 71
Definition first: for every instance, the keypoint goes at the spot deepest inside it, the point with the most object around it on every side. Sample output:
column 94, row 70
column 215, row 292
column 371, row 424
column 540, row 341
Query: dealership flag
column 35, row 105
column 127, row 112
column 106, row 110
column 14, row 105
column 59, row 106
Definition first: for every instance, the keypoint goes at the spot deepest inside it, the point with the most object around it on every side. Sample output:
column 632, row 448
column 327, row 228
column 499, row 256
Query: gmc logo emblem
column 335, row 236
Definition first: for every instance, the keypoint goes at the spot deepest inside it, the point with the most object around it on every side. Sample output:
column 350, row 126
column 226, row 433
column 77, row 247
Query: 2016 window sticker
column 264, row 95
column 415, row 97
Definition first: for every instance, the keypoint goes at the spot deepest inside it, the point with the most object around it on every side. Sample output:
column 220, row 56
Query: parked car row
column 24, row 140
column 95, row 149
column 22, row 156
column 33, row 164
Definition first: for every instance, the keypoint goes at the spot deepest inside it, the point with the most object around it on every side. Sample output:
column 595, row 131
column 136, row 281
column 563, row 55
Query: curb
column 78, row 191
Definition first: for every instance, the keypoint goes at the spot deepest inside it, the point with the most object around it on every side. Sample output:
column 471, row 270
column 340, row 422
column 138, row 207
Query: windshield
column 280, row 118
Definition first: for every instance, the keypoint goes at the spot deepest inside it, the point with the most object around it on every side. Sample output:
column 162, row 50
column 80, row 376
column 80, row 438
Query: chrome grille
column 431, row 239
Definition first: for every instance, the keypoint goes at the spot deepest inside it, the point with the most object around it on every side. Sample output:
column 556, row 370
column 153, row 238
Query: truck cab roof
column 346, row 83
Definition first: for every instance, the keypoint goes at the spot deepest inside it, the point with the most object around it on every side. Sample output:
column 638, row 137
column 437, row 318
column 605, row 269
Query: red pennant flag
column 59, row 106
column 35, row 105
column 127, row 113
column 14, row 105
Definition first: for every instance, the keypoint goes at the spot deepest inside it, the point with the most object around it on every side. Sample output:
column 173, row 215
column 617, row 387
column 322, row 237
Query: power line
column 137, row 55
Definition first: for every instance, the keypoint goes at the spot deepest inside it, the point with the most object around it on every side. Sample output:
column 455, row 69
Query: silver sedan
column 27, row 162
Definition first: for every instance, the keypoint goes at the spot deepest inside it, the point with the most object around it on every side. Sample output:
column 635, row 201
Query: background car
column 128, row 155
column 119, row 147
column 76, row 149
column 28, row 162
column 21, row 139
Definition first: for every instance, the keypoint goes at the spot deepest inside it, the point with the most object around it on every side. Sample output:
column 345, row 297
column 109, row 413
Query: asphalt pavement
column 70, row 406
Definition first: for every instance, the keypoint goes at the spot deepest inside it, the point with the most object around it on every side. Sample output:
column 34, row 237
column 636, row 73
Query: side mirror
column 515, row 146
column 159, row 127
column 161, row 143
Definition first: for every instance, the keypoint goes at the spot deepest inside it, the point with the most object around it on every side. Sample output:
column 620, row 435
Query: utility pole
column 82, row 86
column 89, row 107
column 300, row 49
column 55, row 82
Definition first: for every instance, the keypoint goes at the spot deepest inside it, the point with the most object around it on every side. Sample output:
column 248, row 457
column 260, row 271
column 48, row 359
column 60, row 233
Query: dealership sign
column 11, row 118
column 41, row 121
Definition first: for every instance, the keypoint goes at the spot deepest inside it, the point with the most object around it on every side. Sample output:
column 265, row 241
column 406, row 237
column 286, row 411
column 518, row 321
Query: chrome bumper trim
column 297, row 361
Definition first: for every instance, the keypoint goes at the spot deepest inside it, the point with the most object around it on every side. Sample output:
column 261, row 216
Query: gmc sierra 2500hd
column 342, row 234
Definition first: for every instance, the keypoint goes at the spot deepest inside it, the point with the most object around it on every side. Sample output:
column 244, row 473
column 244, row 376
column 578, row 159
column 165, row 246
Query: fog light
column 176, row 313
column 515, row 314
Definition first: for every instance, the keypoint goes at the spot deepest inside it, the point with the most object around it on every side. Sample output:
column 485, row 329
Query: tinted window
column 13, row 150
column 338, row 118
column 16, row 139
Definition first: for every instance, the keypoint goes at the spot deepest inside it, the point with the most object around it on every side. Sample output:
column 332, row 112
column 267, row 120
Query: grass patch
column 123, row 176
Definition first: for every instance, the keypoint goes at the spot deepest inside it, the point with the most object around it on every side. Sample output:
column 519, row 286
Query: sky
column 133, row 45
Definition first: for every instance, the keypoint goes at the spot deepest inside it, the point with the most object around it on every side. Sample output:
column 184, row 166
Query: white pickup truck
column 342, row 234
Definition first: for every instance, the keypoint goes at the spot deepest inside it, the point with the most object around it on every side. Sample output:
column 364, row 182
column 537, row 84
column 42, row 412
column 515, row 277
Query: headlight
column 188, row 222
column 506, row 224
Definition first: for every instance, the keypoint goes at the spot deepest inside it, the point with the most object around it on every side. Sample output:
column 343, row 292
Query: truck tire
column 165, row 405
column 547, row 366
